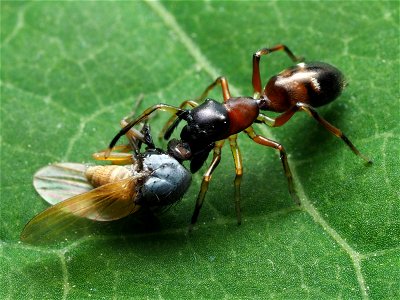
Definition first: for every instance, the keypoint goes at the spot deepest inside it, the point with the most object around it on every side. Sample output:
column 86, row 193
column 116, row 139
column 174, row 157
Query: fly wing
column 109, row 202
column 58, row 182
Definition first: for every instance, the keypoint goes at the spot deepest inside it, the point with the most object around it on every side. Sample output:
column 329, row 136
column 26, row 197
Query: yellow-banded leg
column 237, row 157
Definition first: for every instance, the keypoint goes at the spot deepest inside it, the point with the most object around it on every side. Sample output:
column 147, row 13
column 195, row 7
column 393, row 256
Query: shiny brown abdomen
column 313, row 83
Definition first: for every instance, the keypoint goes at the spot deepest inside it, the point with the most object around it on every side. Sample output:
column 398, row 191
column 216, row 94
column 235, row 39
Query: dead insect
column 209, row 124
column 152, row 179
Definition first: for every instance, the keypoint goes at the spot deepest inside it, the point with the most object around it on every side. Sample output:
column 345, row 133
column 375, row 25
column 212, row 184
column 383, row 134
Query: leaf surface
column 71, row 70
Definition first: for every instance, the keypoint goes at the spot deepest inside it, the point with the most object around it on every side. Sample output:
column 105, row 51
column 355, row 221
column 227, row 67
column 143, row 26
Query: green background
column 71, row 70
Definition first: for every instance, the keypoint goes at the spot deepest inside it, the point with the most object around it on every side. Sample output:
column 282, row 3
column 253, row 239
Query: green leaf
column 72, row 70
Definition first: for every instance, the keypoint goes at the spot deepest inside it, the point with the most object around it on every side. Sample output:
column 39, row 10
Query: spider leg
column 224, row 86
column 256, row 65
column 142, row 117
column 311, row 111
column 270, row 143
column 237, row 157
column 173, row 122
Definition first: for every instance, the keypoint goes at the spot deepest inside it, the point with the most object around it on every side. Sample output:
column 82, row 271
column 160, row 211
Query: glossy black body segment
column 206, row 124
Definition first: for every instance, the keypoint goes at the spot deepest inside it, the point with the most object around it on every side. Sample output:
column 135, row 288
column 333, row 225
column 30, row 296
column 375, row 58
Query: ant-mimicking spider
column 299, row 88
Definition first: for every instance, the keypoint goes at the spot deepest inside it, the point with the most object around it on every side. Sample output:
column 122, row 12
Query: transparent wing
column 106, row 203
column 58, row 182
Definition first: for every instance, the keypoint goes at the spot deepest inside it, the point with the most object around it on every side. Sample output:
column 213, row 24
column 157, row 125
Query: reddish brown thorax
column 242, row 112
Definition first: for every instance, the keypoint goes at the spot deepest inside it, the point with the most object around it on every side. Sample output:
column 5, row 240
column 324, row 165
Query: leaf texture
column 71, row 70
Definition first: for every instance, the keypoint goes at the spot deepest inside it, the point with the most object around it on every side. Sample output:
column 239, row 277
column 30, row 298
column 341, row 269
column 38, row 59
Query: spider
column 209, row 124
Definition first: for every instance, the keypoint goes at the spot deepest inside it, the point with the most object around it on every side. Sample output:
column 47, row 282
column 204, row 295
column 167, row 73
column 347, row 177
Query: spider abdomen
column 312, row 83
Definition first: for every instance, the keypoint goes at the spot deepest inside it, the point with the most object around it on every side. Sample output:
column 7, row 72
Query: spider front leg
column 206, row 180
column 256, row 65
column 136, row 137
column 286, row 116
column 122, row 154
column 282, row 153
column 163, row 107
column 173, row 122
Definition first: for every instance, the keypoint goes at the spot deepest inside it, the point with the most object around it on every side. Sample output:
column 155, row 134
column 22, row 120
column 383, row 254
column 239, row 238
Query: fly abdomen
column 101, row 175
